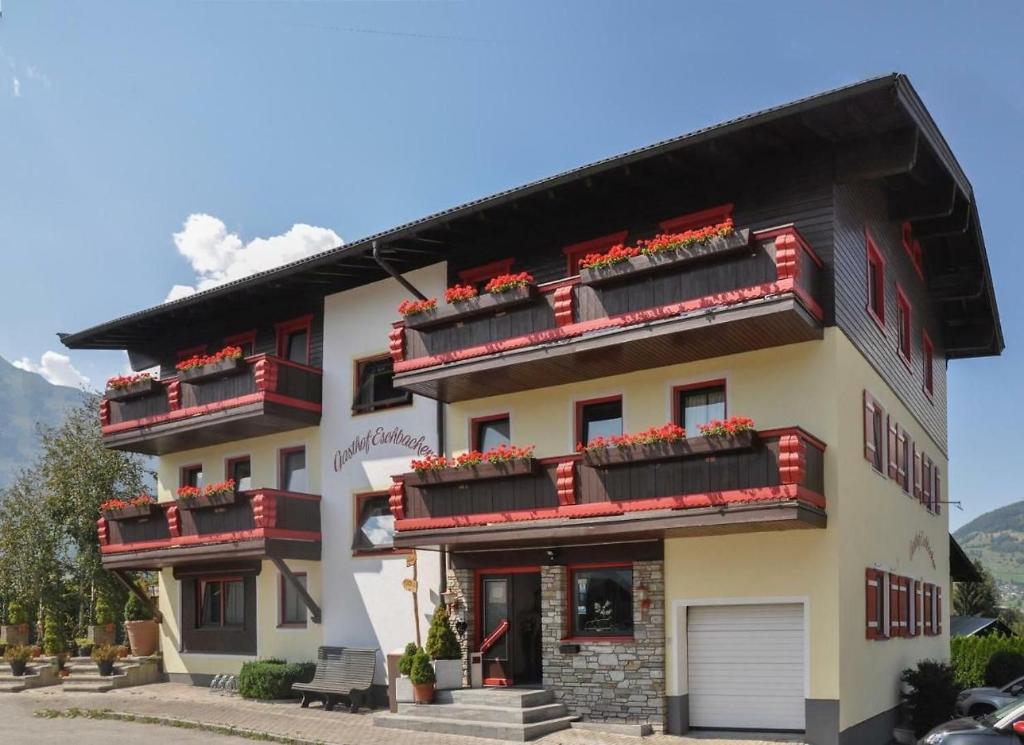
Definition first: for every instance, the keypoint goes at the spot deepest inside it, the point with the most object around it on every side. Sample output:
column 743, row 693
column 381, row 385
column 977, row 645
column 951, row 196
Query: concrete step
column 506, row 714
column 93, row 684
column 507, row 697
column 474, row 728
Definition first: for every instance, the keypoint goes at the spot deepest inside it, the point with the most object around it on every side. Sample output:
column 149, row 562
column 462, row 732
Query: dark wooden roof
column 877, row 128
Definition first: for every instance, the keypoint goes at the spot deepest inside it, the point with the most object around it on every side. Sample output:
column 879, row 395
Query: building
column 777, row 578
column 977, row 626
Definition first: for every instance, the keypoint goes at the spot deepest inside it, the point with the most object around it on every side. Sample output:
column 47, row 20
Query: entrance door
column 510, row 628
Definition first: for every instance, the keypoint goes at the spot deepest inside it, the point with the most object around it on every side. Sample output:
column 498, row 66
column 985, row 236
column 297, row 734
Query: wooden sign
column 410, row 585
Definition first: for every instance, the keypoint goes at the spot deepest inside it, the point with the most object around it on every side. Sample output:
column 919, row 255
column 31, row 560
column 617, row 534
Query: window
column 876, row 283
column 293, row 339
column 575, row 252
column 697, row 405
column 602, row 601
column 711, row 216
column 293, row 470
column 293, row 610
column 221, row 602
column 913, row 615
column 375, row 386
column 903, row 324
column 245, row 340
column 874, row 416
column 913, row 248
column 375, row 525
column 490, row 432
column 598, row 418
column 184, row 354
column 240, row 469
column 192, row 476
column 928, row 359
column 479, row 274
column 877, row 603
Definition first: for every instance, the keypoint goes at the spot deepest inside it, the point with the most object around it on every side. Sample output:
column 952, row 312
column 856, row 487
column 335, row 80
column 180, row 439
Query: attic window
column 691, row 220
column 477, row 274
column 575, row 252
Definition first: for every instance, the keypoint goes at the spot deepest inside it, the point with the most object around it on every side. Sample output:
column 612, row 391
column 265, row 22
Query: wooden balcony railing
column 763, row 292
column 260, row 523
column 720, row 484
column 265, row 394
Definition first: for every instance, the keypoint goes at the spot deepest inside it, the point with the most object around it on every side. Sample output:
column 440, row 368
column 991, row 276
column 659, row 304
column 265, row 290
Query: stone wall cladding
column 613, row 681
column 460, row 581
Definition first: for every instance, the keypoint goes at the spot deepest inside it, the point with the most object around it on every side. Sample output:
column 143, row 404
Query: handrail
column 494, row 636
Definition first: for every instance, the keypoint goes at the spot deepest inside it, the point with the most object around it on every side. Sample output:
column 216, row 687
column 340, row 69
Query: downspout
column 440, row 414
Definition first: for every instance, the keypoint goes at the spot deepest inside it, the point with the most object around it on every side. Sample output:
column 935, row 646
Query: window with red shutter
column 913, row 614
column 926, row 481
column 937, row 491
column 873, row 604
column 937, row 626
column 893, row 439
column 873, row 424
column 902, row 456
column 917, row 473
column 927, row 609
column 895, row 606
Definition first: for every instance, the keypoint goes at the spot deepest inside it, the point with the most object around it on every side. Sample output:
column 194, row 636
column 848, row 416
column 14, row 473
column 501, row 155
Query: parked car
column 977, row 701
column 1003, row 726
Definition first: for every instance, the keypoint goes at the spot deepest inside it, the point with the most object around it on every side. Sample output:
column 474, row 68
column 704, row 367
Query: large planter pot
column 403, row 690
column 691, row 446
column 102, row 634
column 220, row 369
column 143, row 637
column 204, row 501
column 132, row 511
column 517, row 467
column 105, row 668
column 423, row 693
column 643, row 264
column 16, row 634
column 491, row 302
column 448, row 674
column 18, row 668
column 138, row 389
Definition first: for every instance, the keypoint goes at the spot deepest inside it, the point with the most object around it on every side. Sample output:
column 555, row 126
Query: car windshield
column 1015, row 708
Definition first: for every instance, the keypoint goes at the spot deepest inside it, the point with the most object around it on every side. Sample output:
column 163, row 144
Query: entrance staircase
column 516, row 714
column 36, row 676
column 131, row 671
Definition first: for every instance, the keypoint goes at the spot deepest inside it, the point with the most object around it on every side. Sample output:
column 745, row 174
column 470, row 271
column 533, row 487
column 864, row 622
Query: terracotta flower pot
column 143, row 636
column 423, row 693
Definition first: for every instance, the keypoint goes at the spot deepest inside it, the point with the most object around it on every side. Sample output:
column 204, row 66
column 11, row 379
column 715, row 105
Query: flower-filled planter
column 667, row 249
column 476, row 305
column 503, row 461
column 124, row 387
column 664, row 443
column 142, row 505
column 220, row 494
column 200, row 367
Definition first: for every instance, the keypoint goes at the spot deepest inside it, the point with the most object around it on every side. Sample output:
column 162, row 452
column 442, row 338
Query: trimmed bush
column 932, row 695
column 1003, row 667
column 16, row 614
column 405, row 661
column 422, row 671
column 441, row 641
column 55, row 640
column 272, row 679
column 136, row 610
column 970, row 656
column 103, row 613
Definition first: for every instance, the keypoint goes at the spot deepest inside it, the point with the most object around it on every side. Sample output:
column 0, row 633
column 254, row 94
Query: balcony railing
column 768, row 479
column 263, row 395
column 654, row 312
column 256, row 524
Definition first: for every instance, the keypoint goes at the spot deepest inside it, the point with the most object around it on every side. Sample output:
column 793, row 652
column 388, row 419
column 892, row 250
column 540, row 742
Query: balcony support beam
column 122, row 576
column 291, row 579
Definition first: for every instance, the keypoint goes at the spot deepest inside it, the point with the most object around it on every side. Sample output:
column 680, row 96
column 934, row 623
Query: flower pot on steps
column 18, row 667
column 105, row 668
column 403, row 690
column 423, row 693
column 448, row 674
column 143, row 636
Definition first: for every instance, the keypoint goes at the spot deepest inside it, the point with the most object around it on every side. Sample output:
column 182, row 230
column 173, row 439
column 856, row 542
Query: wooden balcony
column 772, row 481
column 761, row 294
column 257, row 524
column 263, row 395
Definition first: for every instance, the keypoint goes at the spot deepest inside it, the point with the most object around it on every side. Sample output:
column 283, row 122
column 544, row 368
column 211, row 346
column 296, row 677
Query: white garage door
column 745, row 665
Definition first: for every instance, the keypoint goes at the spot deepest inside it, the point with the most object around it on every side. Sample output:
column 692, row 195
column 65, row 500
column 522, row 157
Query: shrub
column 1004, row 666
column 136, row 610
column 932, row 695
column 970, row 656
column 105, row 653
column 16, row 614
column 272, row 679
column 422, row 671
column 441, row 641
column 405, row 661
column 103, row 613
column 55, row 640
column 18, row 653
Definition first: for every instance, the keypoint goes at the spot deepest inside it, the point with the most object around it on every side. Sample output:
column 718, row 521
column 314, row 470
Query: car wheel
column 980, row 709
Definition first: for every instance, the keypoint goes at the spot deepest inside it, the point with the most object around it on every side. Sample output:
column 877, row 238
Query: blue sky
column 119, row 120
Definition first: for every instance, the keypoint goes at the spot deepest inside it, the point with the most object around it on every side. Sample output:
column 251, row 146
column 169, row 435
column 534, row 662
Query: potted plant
column 102, row 631
column 443, row 648
column 143, row 632
column 422, row 676
column 123, row 387
column 16, row 630
column 403, row 685
column 210, row 366
column 502, row 461
column 17, row 656
column 141, row 505
column 219, row 494
column 105, row 655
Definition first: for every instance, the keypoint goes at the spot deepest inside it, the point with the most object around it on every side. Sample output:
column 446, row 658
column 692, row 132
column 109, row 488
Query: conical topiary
column 422, row 671
column 54, row 636
column 405, row 661
column 441, row 641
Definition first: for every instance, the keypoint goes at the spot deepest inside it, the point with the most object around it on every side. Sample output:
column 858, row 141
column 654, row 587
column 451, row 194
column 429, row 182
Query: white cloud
column 55, row 368
column 16, row 87
column 218, row 256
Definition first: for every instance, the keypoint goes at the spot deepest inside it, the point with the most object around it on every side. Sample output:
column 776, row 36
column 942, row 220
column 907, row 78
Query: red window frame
column 474, row 427
column 913, row 248
column 229, row 464
column 282, row 457
column 241, row 339
column 570, row 621
column 928, row 360
column 201, row 583
column 578, row 424
column 874, row 447
column 484, row 272
column 184, row 470
column 677, row 414
column 576, row 251
column 876, row 285
column 184, row 354
column 282, row 585
column 357, row 508
column 905, row 327
column 286, row 328
column 699, row 219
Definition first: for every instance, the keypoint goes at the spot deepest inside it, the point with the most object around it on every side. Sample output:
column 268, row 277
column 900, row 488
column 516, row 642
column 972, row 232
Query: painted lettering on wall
column 378, row 437
column 920, row 541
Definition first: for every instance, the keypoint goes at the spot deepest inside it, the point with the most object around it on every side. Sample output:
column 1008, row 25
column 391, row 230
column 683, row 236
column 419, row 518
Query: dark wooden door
column 510, row 628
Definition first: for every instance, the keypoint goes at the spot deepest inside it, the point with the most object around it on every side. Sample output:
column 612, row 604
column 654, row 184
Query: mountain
column 26, row 399
column 997, row 538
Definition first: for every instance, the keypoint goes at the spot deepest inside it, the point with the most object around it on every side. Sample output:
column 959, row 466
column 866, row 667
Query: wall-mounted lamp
column 645, row 601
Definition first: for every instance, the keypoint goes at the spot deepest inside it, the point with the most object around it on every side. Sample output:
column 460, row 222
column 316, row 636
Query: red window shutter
column 926, row 481
column 937, row 491
column 938, row 610
column 872, row 596
column 894, row 606
column 870, row 445
column 927, row 609
column 905, row 600
column 919, row 594
column 892, row 449
column 901, row 457
column 917, row 473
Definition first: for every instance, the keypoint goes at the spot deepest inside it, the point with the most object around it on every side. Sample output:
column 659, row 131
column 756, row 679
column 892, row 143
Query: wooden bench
column 341, row 672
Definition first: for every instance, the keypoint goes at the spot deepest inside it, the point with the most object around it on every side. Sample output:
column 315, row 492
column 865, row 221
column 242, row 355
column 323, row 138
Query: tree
column 441, row 641
column 977, row 598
